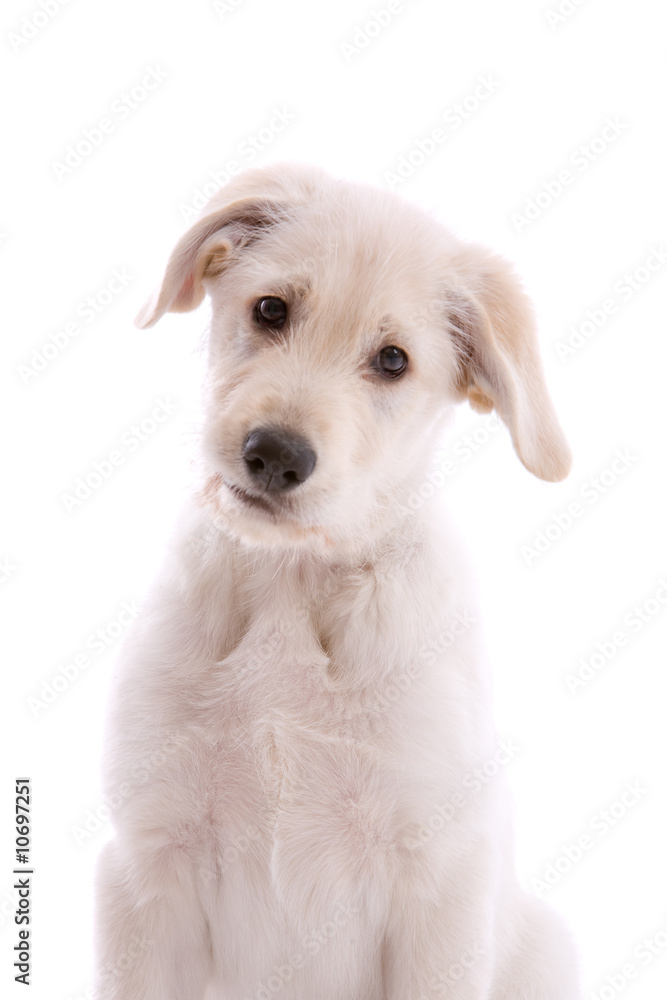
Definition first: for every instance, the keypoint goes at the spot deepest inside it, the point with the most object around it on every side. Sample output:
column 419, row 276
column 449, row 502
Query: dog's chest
column 298, row 773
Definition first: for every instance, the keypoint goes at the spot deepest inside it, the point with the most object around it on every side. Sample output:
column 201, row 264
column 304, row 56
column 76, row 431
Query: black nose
column 278, row 461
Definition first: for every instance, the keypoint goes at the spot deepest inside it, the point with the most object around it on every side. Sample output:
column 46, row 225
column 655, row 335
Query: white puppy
column 299, row 713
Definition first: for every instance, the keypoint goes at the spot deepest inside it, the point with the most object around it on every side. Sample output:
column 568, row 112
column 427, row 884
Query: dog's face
column 345, row 324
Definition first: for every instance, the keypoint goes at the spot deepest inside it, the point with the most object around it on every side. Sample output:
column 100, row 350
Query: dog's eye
column 271, row 311
column 392, row 361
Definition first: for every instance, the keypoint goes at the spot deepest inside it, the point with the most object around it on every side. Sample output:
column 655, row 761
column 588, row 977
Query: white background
column 359, row 104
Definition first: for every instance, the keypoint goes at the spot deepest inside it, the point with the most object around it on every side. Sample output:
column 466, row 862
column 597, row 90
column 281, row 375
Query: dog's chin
column 263, row 520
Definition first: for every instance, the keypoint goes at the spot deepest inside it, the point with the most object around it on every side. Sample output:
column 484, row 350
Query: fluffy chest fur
column 279, row 739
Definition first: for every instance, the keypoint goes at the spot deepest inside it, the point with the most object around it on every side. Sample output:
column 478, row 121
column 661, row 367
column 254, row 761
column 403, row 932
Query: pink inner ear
column 185, row 294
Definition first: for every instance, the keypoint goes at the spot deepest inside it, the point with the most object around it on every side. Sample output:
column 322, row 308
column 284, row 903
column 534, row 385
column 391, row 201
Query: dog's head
column 345, row 324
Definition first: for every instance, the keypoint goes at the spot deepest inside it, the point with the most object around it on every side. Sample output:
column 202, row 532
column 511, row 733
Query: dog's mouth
column 249, row 499
column 259, row 519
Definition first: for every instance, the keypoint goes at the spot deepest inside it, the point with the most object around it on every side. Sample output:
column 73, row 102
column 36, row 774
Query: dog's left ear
column 493, row 327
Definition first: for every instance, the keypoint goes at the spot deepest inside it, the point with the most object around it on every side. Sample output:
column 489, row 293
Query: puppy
column 298, row 715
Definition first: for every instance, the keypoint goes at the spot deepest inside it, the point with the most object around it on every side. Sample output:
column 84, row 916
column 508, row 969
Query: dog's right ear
column 248, row 205
column 205, row 250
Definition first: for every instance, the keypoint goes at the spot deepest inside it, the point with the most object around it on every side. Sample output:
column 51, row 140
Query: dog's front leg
column 152, row 936
column 439, row 937
column 425, row 960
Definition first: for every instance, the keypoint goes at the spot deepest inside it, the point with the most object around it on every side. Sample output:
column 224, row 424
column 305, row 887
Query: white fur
column 297, row 714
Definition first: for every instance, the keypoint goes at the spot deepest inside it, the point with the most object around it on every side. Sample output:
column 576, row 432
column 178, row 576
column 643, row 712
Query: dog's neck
column 339, row 600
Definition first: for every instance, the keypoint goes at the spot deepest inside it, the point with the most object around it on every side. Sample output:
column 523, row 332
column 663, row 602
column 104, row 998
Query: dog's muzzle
column 276, row 460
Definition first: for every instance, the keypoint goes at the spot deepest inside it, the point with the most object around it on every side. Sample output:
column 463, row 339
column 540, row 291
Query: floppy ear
column 204, row 250
column 234, row 217
column 493, row 326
